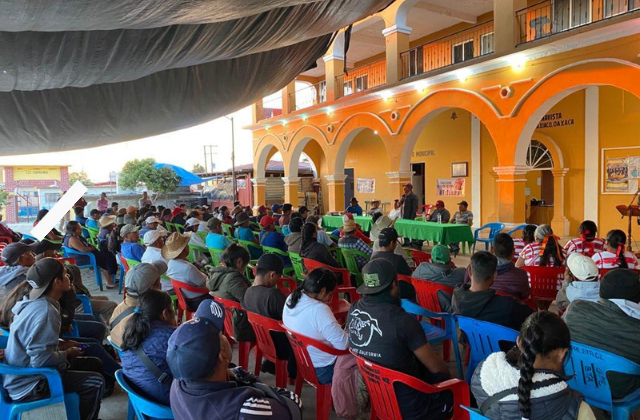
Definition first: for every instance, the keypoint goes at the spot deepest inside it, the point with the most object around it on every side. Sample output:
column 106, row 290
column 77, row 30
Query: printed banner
column 617, row 175
column 365, row 185
column 634, row 166
column 450, row 187
column 36, row 173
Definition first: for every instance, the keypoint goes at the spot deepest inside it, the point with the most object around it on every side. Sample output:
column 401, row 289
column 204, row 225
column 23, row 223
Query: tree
column 4, row 197
column 158, row 180
column 198, row 169
column 80, row 176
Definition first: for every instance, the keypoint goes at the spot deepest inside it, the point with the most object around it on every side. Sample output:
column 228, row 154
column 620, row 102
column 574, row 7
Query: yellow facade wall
column 619, row 127
column 489, row 192
column 450, row 141
column 368, row 158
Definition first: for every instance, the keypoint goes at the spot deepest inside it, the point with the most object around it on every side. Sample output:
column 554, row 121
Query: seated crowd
column 229, row 259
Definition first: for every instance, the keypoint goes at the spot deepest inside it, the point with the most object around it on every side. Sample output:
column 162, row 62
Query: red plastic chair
column 287, row 285
column 306, row 371
column 384, row 403
column 311, row 264
column 178, row 287
column 263, row 326
column 545, row 282
column 63, row 260
column 530, row 302
column 244, row 347
column 420, row 257
column 427, row 294
column 404, row 278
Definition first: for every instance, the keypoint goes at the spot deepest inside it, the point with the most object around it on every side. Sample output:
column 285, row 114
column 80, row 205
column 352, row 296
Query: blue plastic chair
column 474, row 414
column 87, row 309
column 483, row 339
column 590, row 367
column 434, row 333
column 69, row 253
column 517, row 228
column 494, row 229
column 12, row 410
column 142, row 408
column 123, row 271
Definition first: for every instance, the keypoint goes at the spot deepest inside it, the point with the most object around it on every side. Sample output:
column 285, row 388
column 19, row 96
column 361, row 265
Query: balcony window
column 462, row 51
column 617, row 7
column 322, row 91
column 362, row 83
column 486, row 44
column 569, row 14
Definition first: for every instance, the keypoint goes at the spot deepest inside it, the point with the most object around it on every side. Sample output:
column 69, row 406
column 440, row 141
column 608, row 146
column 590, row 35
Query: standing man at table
column 409, row 205
column 462, row 217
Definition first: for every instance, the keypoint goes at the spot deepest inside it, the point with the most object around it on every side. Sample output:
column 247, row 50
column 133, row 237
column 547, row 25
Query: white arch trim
column 379, row 118
column 297, row 152
column 550, row 143
column 261, row 167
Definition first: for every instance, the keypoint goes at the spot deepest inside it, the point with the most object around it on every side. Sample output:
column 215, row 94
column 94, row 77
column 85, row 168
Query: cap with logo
column 377, row 275
column 194, row 347
column 41, row 274
column 440, row 254
column 142, row 277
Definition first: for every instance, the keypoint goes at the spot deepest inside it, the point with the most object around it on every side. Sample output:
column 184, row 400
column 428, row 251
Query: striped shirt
column 531, row 255
column 518, row 246
column 588, row 248
column 606, row 259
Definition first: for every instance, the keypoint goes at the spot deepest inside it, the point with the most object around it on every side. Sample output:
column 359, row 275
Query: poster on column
column 450, row 187
column 617, row 175
column 366, row 185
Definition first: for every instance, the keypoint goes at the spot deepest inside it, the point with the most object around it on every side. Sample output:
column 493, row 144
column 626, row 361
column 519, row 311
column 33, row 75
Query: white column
column 591, row 152
column 476, row 181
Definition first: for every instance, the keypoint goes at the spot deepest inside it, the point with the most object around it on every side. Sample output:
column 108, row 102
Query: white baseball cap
column 193, row 222
column 152, row 219
column 153, row 235
column 582, row 267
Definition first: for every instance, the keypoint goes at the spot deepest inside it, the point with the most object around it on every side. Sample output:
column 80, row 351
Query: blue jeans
column 325, row 374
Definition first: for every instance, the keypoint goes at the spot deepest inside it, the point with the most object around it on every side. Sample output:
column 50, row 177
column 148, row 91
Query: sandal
column 112, row 286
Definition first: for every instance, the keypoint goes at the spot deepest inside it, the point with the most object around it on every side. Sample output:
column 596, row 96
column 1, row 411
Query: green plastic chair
column 351, row 263
column 178, row 227
column 298, row 265
column 215, row 256
column 203, row 235
column 170, row 227
column 288, row 271
column 131, row 263
column 192, row 252
column 226, row 230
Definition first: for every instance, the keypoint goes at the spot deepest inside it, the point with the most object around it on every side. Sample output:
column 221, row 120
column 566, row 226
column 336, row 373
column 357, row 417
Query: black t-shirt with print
column 381, row 331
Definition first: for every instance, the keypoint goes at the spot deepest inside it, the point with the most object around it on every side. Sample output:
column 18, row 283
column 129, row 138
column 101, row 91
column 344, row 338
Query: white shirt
column 314, row 319
column 395, row 214
column 606, row 259
column 185, row 272
column 151, row 255
column 578, row 245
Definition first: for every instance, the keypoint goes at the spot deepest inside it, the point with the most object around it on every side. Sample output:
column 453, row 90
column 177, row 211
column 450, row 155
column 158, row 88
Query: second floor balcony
column 362, row 78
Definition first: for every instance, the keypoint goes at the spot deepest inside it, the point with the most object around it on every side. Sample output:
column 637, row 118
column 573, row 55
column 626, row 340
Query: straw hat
column 106, row 221
column 174, row 245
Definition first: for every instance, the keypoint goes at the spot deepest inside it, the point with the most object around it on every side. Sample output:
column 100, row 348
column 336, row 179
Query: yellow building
column 496, row 102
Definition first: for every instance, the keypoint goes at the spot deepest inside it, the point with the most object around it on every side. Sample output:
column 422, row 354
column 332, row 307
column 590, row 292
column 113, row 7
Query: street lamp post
column 233, row 160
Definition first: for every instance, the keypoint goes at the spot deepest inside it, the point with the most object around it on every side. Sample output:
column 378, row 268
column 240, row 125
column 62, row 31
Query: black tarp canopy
column 85, row 73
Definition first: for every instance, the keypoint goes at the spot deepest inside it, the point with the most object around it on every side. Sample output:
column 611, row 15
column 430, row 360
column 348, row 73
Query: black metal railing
column 470, row 43
column 552, row 17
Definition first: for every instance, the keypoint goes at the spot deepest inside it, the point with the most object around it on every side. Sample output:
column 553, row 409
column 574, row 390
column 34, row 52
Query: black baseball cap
column 388, row 235
column 463, row 203
column 377, row 275
column 12, row 252
column 621, row 283
column 41, row 274
column 271, row 262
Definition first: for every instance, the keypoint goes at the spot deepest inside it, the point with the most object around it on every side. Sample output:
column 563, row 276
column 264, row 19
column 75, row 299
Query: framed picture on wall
column 460, row 169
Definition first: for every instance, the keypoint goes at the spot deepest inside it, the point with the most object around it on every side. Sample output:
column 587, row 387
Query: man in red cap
column 440, row 214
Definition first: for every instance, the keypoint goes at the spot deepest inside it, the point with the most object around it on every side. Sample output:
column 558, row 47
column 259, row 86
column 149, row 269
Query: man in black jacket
column 478, row 301
column 409, row 204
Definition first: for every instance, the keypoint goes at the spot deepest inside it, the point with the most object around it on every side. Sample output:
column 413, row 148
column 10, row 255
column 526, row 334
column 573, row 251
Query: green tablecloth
column 443, row 233
column 334, row 222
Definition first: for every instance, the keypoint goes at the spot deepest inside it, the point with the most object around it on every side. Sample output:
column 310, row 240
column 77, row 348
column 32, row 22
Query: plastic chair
column 124, row 267
column 516, row 229
column 192, row 252
column 474, row 414
column 298, row 265
column 13, row 410
column 427, row 293
column 263, row 327
column 384, row 403
column 420, row 257
column 288, row 271
column 484, row 338
column 87, row 309
column 494, row 229
column 183, row 308
column 69, row 253
column 170, row 227
column 545, row 282
column 244, row 347
column 312, row 264
column 226, row 230
column 248, row 245
column 435, row 334
column 352, row 265
column 215, row 255
column 286, row 285
column 300, row 345
column 142, row 407
column 590, row 366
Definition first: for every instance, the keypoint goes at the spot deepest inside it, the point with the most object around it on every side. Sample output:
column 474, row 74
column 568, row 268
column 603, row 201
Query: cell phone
column 83, row 347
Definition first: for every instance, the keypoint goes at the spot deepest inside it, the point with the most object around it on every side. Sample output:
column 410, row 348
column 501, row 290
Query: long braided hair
column 550, row 247
column 541, row 333
column 588, row 230
column 617, row 240
column 318, row 279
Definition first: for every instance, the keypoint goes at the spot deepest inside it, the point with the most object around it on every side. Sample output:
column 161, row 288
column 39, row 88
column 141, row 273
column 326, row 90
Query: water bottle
column 424, row 217
column 439, row 217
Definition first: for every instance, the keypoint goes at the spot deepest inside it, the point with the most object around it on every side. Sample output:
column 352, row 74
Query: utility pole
column 233, row 160
column 210, row 152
